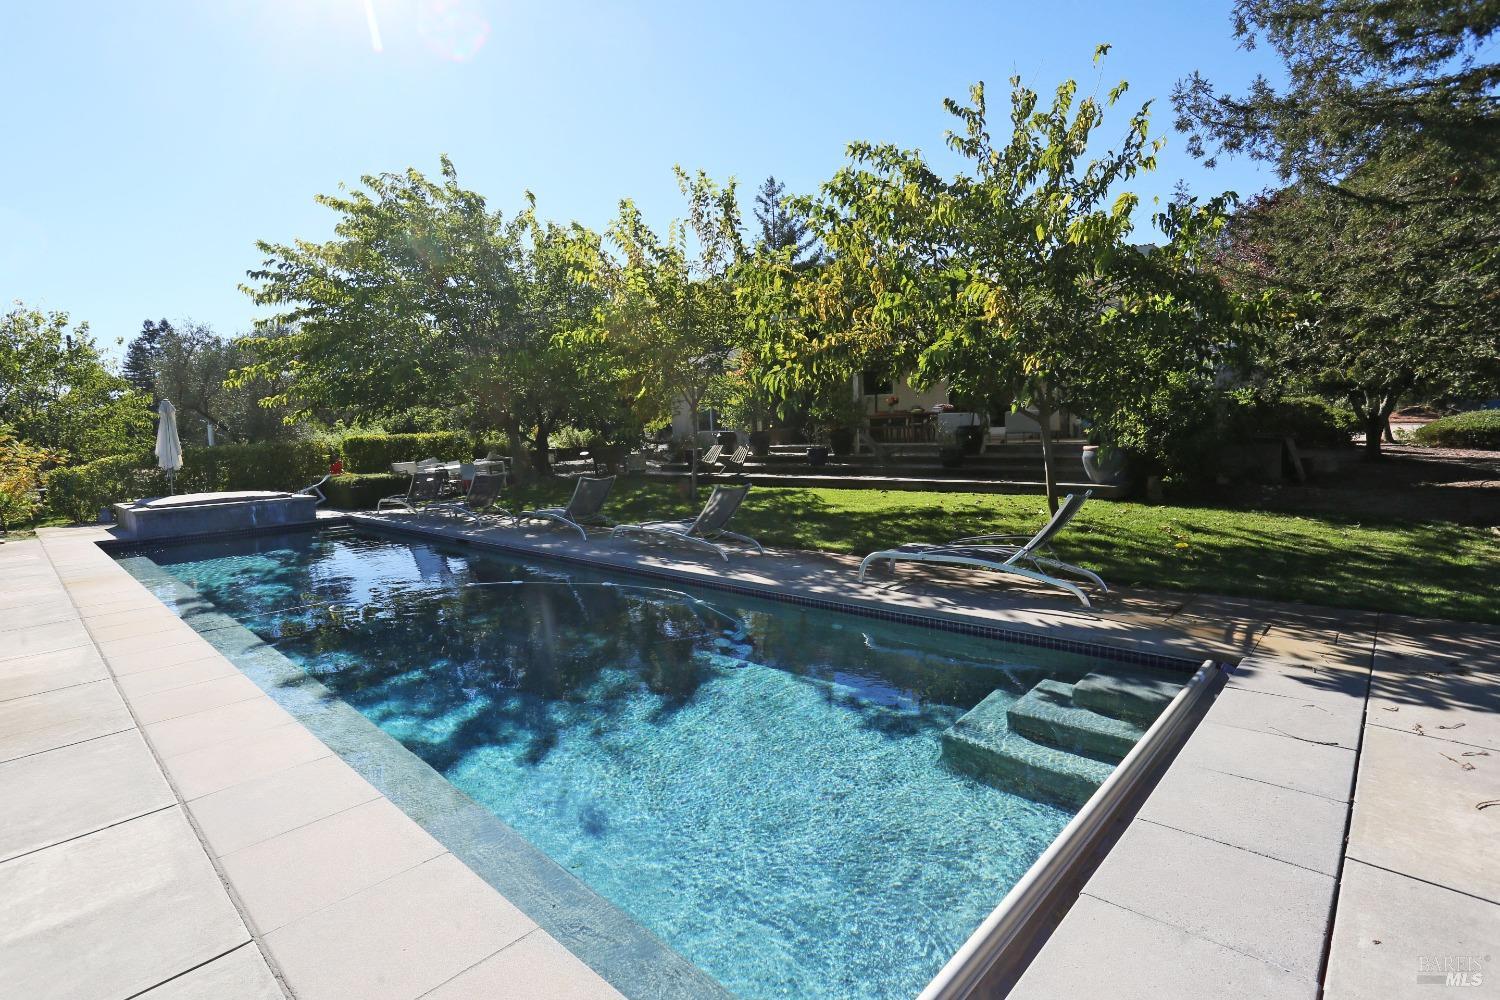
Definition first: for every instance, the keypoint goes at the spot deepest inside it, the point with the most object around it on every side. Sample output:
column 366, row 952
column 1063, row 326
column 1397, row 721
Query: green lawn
column 1422, row 568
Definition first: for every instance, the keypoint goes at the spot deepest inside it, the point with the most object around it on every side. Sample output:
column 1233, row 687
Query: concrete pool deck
column 178, row 834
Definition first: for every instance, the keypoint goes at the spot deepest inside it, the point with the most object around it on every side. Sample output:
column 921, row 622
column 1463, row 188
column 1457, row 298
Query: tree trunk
column 540, row 446
column 693, row 449
column 1378, row 425
column 1374, row 425
column 520, row 460
column 1049, row 462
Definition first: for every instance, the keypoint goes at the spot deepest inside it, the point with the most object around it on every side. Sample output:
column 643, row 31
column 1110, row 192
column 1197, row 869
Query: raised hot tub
column 202, row 513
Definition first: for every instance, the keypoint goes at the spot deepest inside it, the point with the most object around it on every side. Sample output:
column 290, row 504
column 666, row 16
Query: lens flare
column 454, row 29
column 374, row 26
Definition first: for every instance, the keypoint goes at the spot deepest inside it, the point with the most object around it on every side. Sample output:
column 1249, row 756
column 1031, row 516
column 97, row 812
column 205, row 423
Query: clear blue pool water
column 757, row 783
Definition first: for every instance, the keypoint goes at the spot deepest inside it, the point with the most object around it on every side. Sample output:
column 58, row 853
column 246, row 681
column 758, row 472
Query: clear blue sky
column 149, row 143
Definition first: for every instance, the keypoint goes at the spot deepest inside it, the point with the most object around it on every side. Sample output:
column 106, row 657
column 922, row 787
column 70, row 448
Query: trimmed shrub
column 370, row 453
column 1311, row 420
column 362, row 492
column 1476, row 429
column 269, row 465
column 80, row 491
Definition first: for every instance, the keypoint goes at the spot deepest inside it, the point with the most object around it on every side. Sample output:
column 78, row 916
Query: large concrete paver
column 1275, row 760
column 303, row 870
column 1416, row 812
column 32, row 640
column 535, row 966
column 240, row 975
column 28, row 675
column 71, row 791
column 224, row 764
column 1395, row 934
column 1103, row 950
column 257, row 810
column 1279, row 715
column 53, row 719
column 1296, row 827
column 112, row 914
column 1198, row 885
column 399, row 939
column 1451, row 699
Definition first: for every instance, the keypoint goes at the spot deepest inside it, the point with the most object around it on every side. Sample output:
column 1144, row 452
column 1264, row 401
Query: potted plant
column 817, row 455
column 1103, row 463
column 760, row 443
column 950, row 452
column 970, row 439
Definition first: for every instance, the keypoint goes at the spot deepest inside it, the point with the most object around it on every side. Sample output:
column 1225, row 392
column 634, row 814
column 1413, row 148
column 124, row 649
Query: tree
column 673, row 318
column 1012, row 279
column 56, row 393
column 194, row 367
column 425, row 298
column 781, row 228
column 1364, row 78
column 143, row 356
column 1384, row 313
column 1387, row 138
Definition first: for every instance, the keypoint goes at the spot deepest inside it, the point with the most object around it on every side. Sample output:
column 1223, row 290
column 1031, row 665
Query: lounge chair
column 484, row 491
column 426, row 489
column 584, row 507
column 734, row 462
column 705, row 528
column 710, row 458
column 990, row 552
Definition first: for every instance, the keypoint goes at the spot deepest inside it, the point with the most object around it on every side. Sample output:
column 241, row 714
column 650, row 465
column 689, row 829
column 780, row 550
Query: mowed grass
column 1421, row 568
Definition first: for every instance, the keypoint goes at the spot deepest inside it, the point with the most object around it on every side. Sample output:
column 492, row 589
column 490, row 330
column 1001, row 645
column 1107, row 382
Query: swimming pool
column 758, row 784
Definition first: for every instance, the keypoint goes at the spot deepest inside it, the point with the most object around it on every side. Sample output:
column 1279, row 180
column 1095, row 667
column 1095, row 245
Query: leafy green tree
column 56, row 393
column 1013, row 279
column 673, row 319
column 143, row 356
column 194, row 367
column 1384, row 313
column 1387, row 137
column 425, row 298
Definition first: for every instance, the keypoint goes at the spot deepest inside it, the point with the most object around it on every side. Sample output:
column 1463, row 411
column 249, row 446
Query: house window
column 876, row 384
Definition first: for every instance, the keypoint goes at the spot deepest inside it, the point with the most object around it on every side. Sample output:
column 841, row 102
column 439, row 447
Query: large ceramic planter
column 1104, row 465
column 760, row 443
column 841, row 441
column 817, row 456
column 971, row 439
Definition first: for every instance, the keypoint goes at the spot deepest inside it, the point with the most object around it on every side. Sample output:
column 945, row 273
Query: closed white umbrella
column 168, row 445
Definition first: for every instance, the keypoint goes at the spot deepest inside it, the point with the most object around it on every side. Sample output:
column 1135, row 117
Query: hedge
column 368, row 453
column 79, row 492
column 362, row 492
column 1312, row 420
column 1476, row 429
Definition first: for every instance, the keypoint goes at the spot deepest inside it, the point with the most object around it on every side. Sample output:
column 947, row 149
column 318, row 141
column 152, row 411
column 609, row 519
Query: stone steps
column 1059, row 741
column 1135, row 694
column 1046, row 714
column 982, row 745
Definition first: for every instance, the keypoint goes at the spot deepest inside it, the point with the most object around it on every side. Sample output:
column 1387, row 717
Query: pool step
column 1047, row 714
column 983, row 745
column 1136, row 694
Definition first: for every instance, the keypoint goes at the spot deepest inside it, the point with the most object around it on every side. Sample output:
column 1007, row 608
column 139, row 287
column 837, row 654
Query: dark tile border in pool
column 610, row 941
column 1161, row 661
